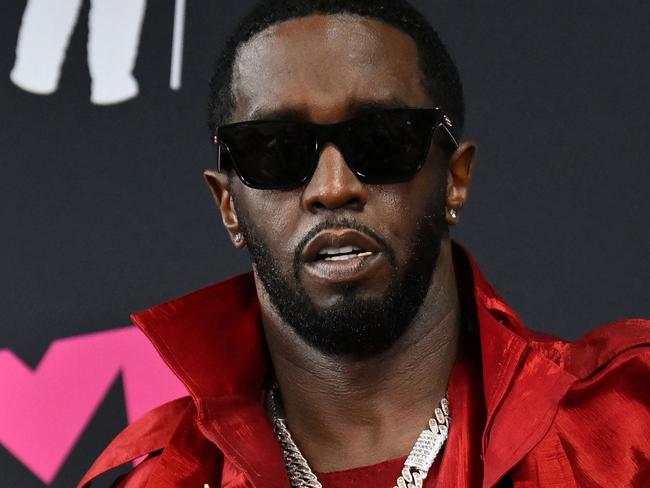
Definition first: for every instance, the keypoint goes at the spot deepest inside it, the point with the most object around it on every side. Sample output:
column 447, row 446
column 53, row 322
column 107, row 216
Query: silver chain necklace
column 416, row 467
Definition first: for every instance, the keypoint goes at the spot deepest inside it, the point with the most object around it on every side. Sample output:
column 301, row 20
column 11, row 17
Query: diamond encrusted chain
column 417, row 464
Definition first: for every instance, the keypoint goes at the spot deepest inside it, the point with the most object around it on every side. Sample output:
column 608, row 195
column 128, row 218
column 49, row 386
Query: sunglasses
column 380, row 147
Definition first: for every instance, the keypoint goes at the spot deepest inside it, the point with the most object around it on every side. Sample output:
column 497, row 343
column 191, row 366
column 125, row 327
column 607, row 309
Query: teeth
column 344, row 257
column 339, row 250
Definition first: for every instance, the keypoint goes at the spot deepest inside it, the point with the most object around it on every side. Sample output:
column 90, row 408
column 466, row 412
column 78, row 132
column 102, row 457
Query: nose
column 333, row 185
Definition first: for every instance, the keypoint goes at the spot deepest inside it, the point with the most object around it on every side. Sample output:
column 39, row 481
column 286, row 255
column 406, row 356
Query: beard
column 353, row 326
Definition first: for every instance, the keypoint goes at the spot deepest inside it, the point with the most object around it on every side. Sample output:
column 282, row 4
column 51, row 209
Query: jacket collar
column 523, row 376
column 212, row 340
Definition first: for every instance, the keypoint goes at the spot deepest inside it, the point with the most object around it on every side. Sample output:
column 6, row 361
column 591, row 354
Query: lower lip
column 345, row 270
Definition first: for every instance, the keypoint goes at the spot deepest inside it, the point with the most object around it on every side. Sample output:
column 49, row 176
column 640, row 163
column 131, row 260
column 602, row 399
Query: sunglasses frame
column 441, row 121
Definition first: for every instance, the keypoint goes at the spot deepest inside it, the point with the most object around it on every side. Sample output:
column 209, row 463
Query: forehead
column 322, row 65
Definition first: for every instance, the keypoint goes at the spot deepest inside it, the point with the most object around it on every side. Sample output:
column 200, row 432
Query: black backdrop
column 104, row 210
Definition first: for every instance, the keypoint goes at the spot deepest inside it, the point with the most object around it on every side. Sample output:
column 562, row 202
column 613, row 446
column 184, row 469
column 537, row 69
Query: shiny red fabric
column 528, row 410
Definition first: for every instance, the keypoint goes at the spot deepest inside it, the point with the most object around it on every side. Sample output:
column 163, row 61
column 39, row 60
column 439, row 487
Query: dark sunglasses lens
column 270, row 155
column 388, row 147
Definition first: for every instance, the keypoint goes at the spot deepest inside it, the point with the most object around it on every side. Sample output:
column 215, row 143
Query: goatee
column 353, row 326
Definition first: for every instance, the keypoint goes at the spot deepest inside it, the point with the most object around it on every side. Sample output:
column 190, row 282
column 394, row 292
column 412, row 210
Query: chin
column 327, row 294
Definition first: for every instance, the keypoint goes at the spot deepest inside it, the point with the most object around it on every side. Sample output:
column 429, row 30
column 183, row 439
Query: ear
column 459, row 177
column 220, row 188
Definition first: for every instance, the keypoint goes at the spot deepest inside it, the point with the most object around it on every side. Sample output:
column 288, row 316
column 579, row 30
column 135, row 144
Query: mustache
column 339, row 224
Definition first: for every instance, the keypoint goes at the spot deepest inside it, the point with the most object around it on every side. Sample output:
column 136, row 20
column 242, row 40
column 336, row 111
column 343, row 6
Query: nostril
column 318, row 206
column 354, row 203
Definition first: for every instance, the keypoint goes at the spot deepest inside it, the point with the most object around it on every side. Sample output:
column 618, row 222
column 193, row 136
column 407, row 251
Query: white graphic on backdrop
column 114, row 28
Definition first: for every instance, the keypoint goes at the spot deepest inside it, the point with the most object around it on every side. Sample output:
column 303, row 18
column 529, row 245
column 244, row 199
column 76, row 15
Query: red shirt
column 527, row 410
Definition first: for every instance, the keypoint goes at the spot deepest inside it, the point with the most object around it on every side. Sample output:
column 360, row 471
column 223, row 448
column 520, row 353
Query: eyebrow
column 356, row 107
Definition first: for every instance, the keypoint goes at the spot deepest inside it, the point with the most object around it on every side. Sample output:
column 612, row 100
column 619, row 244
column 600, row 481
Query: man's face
column 325, row 69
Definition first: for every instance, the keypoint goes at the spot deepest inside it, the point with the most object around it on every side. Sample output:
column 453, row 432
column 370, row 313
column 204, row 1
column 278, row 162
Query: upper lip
column 338, row 238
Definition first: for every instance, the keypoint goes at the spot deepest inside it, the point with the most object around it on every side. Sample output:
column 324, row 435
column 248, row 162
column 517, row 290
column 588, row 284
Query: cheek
column 401, row 207
column 394, row 206
column 429, row 189
column 272, row 214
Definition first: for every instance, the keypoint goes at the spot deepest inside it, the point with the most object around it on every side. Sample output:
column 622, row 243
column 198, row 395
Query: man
column 365, row 348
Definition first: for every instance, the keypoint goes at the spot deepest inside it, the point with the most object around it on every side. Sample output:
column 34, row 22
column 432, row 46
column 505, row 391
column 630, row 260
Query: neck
column 344, row 413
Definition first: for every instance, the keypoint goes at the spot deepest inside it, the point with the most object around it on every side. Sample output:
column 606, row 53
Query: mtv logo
column 45, row 410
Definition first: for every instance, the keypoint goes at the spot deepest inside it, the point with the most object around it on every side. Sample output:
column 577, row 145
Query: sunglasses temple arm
column 450, row 134
column 219, row 158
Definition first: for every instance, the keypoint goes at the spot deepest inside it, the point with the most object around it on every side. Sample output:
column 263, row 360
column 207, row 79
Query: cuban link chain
column 417, row 464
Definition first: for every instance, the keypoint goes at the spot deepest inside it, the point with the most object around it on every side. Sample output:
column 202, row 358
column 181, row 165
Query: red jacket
column 557, row 414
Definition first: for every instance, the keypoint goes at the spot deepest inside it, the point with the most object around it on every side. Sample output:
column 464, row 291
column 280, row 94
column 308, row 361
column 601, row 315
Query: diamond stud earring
column 239, row 238
column 453, row 214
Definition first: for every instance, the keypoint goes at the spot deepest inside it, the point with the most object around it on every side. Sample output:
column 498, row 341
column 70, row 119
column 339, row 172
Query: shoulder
column 604, row 349
column 601, row 429
column 611, row 366
column 611, row 363
column 607, row 347
column 149, row 434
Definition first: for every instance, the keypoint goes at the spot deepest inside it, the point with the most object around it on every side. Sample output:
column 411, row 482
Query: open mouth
column 340, row 245
column 342, row 253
